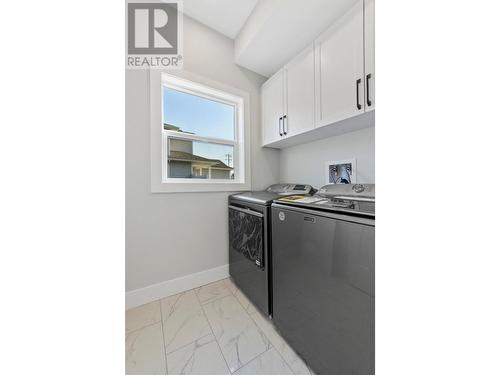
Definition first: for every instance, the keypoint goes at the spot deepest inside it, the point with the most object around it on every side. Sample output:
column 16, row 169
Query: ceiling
column 225, row 16
column 267, row 33
column 278, row 30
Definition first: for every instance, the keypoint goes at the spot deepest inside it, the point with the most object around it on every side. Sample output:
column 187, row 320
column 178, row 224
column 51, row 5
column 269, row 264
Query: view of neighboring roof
column 174, row 128
column 187, row 157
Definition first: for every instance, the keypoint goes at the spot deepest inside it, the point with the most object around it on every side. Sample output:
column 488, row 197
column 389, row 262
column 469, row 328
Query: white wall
column 306, row 163
column 177, row 234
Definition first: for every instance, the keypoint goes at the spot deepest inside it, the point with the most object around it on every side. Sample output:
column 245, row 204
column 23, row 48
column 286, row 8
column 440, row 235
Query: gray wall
column 306, row 163
column 166, row 233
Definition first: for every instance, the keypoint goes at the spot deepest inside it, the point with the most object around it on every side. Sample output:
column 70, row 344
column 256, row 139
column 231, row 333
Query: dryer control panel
column 288, row 189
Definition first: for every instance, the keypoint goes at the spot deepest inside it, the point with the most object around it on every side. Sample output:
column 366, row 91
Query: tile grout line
column 285, row 361
column 272, row 345
column 233, row 284
column 190, row 343
column 254, row 359
column 264, row 333
column 184, row 291
column 270, row 342
column 163, row 339
column 142, row 327
column 201, row 305
column 215, row 299
column 256, row 325
column 237, row 299
column 213, row 333
column 167, row 353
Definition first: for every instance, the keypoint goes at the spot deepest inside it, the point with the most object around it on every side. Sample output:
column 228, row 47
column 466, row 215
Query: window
column 194, row 159
column 202, row 137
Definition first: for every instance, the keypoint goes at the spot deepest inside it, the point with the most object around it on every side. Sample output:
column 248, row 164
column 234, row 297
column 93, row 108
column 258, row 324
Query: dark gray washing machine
column 324, row 277
column 250, row 241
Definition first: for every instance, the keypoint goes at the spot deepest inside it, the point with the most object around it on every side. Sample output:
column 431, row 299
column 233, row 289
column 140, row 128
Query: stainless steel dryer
column 250, row 241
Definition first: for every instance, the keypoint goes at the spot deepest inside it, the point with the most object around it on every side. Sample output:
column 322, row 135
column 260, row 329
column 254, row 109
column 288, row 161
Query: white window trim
column 188, row 82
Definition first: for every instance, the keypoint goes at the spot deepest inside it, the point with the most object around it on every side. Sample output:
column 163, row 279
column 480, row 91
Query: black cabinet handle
column 285, row 128
column 358, row 81
column 368, row 101
column 279, row 126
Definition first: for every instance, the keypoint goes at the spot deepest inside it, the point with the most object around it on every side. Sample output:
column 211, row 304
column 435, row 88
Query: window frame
column 195, row 85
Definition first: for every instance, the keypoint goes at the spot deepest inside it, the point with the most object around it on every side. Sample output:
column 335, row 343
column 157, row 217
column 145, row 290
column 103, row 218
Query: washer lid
column 264, row 198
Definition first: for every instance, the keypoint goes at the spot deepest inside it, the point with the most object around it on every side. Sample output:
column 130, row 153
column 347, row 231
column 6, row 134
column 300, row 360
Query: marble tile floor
column 211, row 330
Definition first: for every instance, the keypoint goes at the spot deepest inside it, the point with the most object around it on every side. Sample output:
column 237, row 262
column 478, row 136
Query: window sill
column 189, row 187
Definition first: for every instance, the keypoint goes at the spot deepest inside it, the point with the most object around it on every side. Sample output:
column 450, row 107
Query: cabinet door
column 299, row 94
column 370, row 55
column 339, row 69
column 272, row 108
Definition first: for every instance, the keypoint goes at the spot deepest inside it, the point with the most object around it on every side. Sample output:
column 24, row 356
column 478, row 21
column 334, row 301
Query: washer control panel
column 365, row 190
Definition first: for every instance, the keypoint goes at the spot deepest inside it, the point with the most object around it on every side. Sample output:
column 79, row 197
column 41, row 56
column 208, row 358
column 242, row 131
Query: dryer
column 250, row 241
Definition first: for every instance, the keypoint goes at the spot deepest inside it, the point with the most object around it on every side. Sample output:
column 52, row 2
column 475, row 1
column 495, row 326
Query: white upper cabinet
column 340, row 79
column 369, row 55
column 272, row 96
column 288, row 100
column 299, row 94
column 333, row 79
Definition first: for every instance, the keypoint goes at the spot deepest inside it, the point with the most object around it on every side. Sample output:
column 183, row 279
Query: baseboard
column 167, row 288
